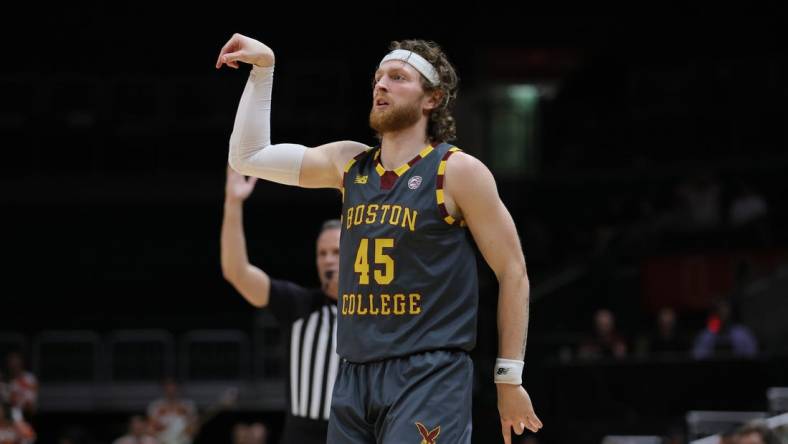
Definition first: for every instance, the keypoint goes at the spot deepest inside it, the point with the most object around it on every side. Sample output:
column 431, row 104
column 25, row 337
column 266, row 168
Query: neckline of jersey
column 399, row 171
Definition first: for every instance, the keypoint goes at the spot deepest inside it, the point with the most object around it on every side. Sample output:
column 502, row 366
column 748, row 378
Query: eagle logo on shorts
column 428, row 436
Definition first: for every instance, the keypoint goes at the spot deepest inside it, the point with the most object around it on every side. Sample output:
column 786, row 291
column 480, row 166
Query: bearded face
column 387, row 116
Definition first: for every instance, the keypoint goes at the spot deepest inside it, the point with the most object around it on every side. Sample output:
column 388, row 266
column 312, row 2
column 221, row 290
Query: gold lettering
column 408, row 220
column 395, row 213
column 403, row 216
column 372, row 310
column 385, row 209
column 399, row 304
column 385, row 300
column 372, row 213
column 415, row 301
column 384, row 304
column 359, row 215
column 360, row 306
column 349, row 220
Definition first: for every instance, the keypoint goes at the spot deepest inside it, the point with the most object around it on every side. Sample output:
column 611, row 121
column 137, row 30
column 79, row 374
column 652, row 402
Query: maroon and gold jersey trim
column 439, row 189
column 389, row 177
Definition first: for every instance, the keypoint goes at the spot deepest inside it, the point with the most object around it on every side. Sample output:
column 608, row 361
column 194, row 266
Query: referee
column 307, row 315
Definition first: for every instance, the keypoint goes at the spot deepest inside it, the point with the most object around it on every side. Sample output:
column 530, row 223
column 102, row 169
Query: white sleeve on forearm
column 251, row 152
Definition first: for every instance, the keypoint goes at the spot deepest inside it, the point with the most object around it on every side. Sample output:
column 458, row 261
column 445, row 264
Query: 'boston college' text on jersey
column 408, row 280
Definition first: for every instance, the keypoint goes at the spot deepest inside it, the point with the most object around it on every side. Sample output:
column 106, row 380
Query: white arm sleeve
column 251, row 152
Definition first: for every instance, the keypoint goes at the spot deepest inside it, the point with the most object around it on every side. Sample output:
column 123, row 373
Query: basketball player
column 408, row 286
column 307, row 316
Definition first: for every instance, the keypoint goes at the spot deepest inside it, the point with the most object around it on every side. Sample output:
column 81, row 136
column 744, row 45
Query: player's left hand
column 516, row 410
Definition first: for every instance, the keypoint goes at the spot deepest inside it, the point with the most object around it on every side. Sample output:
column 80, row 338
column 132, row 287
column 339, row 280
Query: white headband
column 420, row 63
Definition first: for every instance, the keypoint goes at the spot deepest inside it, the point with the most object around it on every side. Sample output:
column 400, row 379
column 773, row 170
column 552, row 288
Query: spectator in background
column 605, row 341
column 173, row 419
column 728, row 436
column 723, row 336
column 13, row 428
column 22, row 385
column 259, row 433
column 665, row 339
column 756, row 433
column 138, row 433
column 241, row 434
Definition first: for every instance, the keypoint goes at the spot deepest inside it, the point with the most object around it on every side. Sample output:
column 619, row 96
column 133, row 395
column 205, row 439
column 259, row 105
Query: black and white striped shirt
column 310, row 316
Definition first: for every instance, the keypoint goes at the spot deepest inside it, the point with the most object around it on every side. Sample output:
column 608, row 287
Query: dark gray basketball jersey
column 408, row 279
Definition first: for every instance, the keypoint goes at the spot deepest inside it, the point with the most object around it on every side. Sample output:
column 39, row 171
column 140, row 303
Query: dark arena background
column 643, row 159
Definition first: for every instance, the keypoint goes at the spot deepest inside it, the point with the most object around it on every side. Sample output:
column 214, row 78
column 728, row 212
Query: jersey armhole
column 348, row 166
column 448, row 218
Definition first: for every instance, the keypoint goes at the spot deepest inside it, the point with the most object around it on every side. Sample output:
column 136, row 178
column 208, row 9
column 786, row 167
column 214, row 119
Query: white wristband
column 508, row 371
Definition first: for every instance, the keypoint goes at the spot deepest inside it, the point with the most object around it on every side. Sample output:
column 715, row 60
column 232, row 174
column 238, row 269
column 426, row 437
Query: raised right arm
column 251, row 151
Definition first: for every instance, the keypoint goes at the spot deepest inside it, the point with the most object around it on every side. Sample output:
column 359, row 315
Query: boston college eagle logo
column 428, row 437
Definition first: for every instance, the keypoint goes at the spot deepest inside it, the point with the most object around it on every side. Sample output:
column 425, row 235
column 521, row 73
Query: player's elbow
column 240, row 157
column 239, row 164
column 233, row 162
